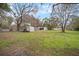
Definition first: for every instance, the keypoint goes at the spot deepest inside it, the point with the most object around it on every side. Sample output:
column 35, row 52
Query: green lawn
column 39, row 43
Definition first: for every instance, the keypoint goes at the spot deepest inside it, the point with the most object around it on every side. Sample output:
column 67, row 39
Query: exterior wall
column 27, row 27
column 13, row 28
column 36, row 28
column 42, row 28
column 57, row 29
column 31, row 29
column 45, row 28
column 4, row 30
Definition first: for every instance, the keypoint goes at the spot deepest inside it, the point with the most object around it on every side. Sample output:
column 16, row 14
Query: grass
column 39, row 43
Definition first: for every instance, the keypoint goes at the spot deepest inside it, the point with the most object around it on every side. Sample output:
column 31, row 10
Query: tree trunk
column 18, row 27
column 63, row 29
column 0, row 27
column 64, row 25
column 18, row 24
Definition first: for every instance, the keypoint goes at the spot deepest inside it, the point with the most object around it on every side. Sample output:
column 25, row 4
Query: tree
column 31, row 20
column 75, row 23
column 46, row 23
column 63, row 12
column 19, row 10
column 50, row 23
column 4, row 7
column 5, row 24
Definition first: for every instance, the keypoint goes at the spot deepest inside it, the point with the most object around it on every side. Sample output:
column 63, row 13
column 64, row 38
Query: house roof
column 32, row 20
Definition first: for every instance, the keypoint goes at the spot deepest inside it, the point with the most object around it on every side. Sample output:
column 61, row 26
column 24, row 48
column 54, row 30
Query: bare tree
column 18, row 10
column 63, row 12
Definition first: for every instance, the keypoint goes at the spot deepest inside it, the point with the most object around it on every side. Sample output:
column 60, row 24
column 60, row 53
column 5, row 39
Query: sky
column 44, row 11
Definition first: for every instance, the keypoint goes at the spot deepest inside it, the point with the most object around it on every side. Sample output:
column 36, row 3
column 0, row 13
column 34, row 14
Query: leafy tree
column 50, row 23
column 75, row 23
column 4, row 7
column 7, row 22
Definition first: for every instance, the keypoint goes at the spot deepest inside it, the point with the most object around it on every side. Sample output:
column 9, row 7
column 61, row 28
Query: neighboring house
column 13, row 26
column 27, row 28
column 29, row 24
column 57, row 29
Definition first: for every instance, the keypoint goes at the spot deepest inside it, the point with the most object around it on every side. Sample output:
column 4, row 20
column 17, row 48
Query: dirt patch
column 6, row 36
column 13, row 51
column 21, row 51
column 71, row 52
column 18, row 49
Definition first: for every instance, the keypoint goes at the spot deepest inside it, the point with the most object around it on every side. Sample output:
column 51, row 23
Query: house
column 26, row 27
column 29, row 28
column 57, row 29
column 13, row 27
column 32, row 24
column 28, row 24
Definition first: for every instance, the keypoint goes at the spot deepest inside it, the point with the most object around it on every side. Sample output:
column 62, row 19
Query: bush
column 76, row 29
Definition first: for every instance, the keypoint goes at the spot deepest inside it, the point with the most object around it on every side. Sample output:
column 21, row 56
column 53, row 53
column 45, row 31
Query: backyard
column 40, row 43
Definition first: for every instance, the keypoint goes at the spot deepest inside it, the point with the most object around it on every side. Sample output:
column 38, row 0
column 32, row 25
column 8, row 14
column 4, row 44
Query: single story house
column 27, row 27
